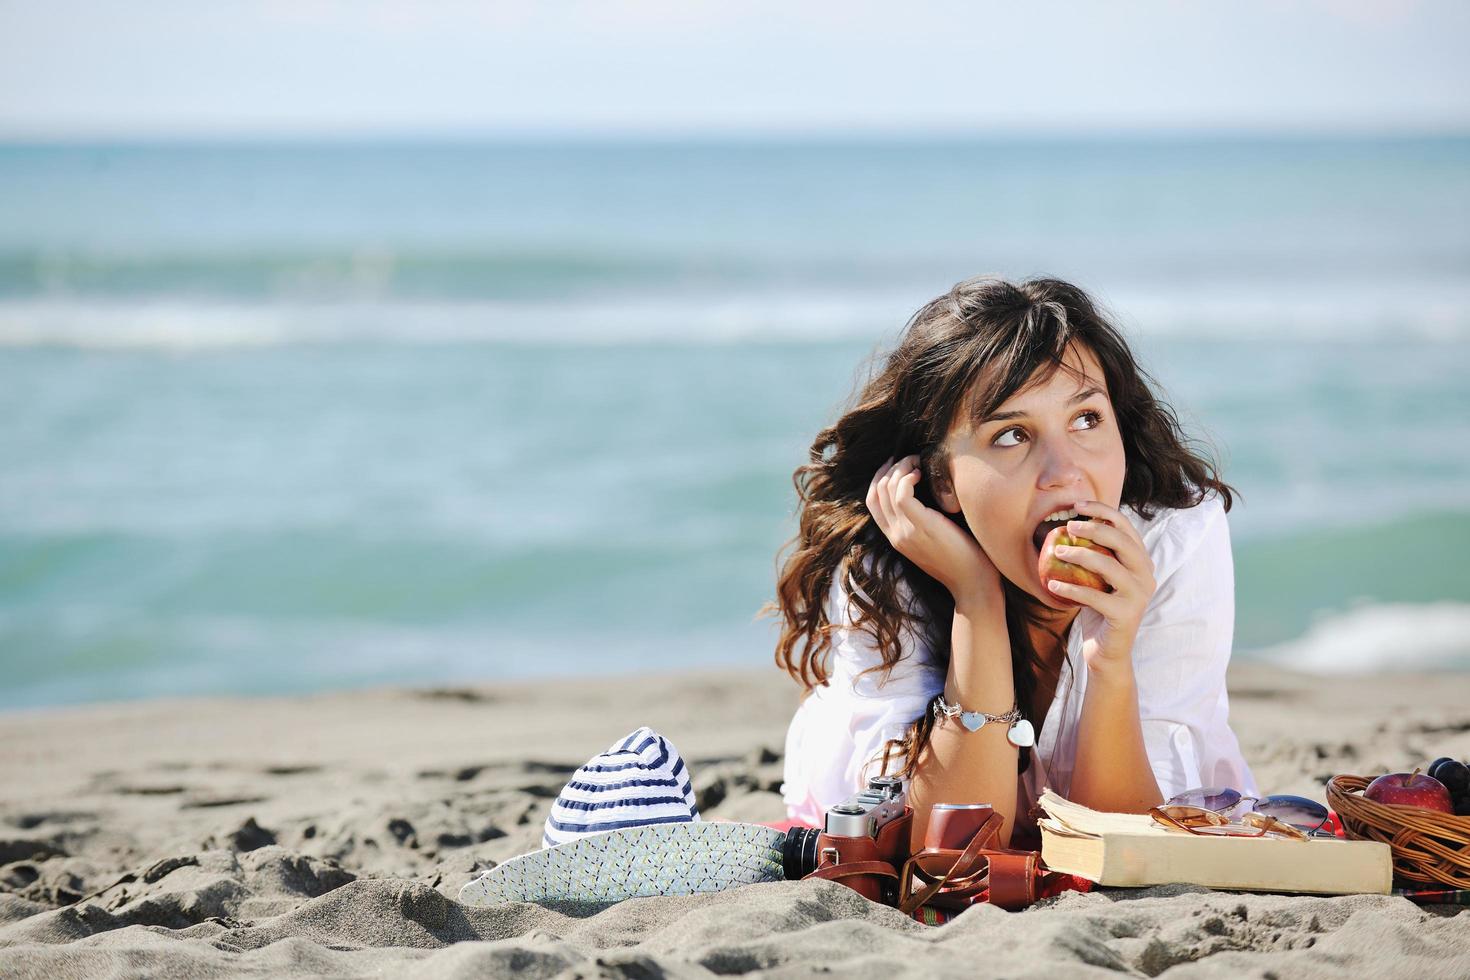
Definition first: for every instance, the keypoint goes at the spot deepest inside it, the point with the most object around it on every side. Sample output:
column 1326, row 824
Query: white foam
column 1429, row 309
column 1376, row 637
column 865, row 315
column 186, row 325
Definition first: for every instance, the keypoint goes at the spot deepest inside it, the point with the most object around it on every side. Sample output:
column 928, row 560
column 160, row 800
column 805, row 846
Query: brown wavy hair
column 967, row 351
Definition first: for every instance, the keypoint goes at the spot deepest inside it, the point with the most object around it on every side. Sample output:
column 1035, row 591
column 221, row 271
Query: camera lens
column 799, row 852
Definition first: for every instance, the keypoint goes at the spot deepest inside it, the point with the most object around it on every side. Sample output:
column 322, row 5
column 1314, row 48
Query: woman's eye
column 1018, row 429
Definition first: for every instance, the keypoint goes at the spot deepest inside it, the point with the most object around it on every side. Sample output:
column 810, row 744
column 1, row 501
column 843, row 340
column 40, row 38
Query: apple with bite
column 1051, row 568
column 1410, row 789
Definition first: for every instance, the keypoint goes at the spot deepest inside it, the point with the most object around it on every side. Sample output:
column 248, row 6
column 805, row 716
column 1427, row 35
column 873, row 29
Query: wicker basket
column 1428, row 846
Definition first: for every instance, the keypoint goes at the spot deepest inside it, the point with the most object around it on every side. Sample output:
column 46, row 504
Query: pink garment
column 787, row 825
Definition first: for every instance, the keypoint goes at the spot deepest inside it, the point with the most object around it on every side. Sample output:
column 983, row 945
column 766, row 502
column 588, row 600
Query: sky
column 366, row 68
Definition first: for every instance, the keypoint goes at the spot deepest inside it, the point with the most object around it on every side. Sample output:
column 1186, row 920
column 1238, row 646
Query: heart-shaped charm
column 972, row 719
column 1021, row 734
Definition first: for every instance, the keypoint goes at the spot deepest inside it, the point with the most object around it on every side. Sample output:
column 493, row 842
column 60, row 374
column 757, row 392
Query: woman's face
column 1009, row 473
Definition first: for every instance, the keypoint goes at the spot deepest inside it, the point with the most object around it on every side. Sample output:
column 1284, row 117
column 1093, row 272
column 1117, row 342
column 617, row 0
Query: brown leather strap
column 965, row 865
column 958, row 876
column 1009, row 876
column 834, row 872
column 1012, row 878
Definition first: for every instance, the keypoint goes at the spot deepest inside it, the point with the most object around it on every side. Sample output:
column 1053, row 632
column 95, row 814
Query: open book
column 1130, row 849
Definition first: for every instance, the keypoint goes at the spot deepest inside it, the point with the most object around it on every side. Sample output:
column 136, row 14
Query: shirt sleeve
column 841, row 727
column 1181, row 653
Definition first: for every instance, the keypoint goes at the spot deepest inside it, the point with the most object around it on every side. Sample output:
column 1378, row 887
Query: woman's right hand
column 941, row 547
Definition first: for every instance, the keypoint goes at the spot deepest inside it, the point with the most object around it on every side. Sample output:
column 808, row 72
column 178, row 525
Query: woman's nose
column 1061, row 469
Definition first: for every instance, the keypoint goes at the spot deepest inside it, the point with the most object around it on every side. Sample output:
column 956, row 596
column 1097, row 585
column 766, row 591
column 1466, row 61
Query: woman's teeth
column 1060, row 518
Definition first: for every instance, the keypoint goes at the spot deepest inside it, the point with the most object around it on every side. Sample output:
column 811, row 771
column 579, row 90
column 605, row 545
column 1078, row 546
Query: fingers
column 897, row 487
column 1104, row 534
column 891, row 492
column 1107, row 566
column 1129, row 556
column 1129, row 570
column 1121, row 524
column 877, row 500
column 1127, row 547
column 1109, row 604
column 905, row 476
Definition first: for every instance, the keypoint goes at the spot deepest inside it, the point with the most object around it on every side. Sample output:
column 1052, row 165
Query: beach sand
column 329, row 835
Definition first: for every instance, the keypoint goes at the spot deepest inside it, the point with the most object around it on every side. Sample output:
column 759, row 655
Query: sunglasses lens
column 1209, row 798
column 1300, row 812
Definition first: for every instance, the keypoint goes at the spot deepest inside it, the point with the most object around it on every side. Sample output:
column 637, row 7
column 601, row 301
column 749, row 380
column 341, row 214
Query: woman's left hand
column 1130, row 572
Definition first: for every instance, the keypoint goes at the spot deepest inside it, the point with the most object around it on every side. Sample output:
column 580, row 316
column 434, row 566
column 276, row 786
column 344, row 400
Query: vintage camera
column 871, row 825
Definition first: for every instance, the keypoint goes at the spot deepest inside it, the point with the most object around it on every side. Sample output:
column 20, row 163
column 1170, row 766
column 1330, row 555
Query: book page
column 1074, row 819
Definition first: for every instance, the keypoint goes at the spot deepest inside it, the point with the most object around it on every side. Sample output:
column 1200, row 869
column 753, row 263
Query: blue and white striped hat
column 639, row 780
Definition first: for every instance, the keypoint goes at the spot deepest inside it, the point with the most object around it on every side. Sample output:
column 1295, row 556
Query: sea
column 282, row 417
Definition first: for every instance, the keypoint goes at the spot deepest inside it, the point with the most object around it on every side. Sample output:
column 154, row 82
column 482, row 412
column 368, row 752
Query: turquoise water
column 284, row 418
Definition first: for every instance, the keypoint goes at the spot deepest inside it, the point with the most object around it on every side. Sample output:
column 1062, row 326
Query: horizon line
column 804, row 135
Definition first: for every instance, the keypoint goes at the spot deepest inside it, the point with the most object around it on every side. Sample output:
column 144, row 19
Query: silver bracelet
column 1019, row 732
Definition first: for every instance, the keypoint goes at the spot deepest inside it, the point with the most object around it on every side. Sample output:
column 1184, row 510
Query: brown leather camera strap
column 1013, row 878
column 1009, row 875
column 834, row 872
column 963, row 865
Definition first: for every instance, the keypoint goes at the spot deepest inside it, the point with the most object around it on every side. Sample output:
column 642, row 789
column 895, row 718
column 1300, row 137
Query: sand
column 329, row 835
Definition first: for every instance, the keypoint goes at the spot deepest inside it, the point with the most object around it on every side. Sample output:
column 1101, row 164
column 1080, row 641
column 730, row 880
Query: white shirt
column 1179, row 659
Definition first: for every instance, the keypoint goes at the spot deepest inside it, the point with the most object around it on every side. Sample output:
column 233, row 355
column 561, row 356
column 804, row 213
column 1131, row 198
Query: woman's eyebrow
column 998, row 416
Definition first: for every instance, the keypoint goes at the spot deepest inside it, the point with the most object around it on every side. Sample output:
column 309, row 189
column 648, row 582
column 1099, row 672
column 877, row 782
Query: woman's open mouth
column 1038, row 537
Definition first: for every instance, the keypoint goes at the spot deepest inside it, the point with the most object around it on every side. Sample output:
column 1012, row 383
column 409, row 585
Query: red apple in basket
column 1049, row 567
column 1410, row 789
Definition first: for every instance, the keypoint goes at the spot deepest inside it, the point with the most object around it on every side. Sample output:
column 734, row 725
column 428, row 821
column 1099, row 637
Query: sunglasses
column 1203, row 811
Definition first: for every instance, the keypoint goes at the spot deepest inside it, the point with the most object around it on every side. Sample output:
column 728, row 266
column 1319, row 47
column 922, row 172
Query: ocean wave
column 347, row 273
column 720, row 319
column 722, row 316
column 1434, row 310
column 1376, row 637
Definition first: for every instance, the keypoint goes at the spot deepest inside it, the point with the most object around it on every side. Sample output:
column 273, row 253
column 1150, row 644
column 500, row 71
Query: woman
column 914, row 584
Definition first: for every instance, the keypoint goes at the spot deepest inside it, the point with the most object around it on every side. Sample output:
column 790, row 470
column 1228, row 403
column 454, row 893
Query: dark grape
column 1433, row 769
column 1454, row 775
